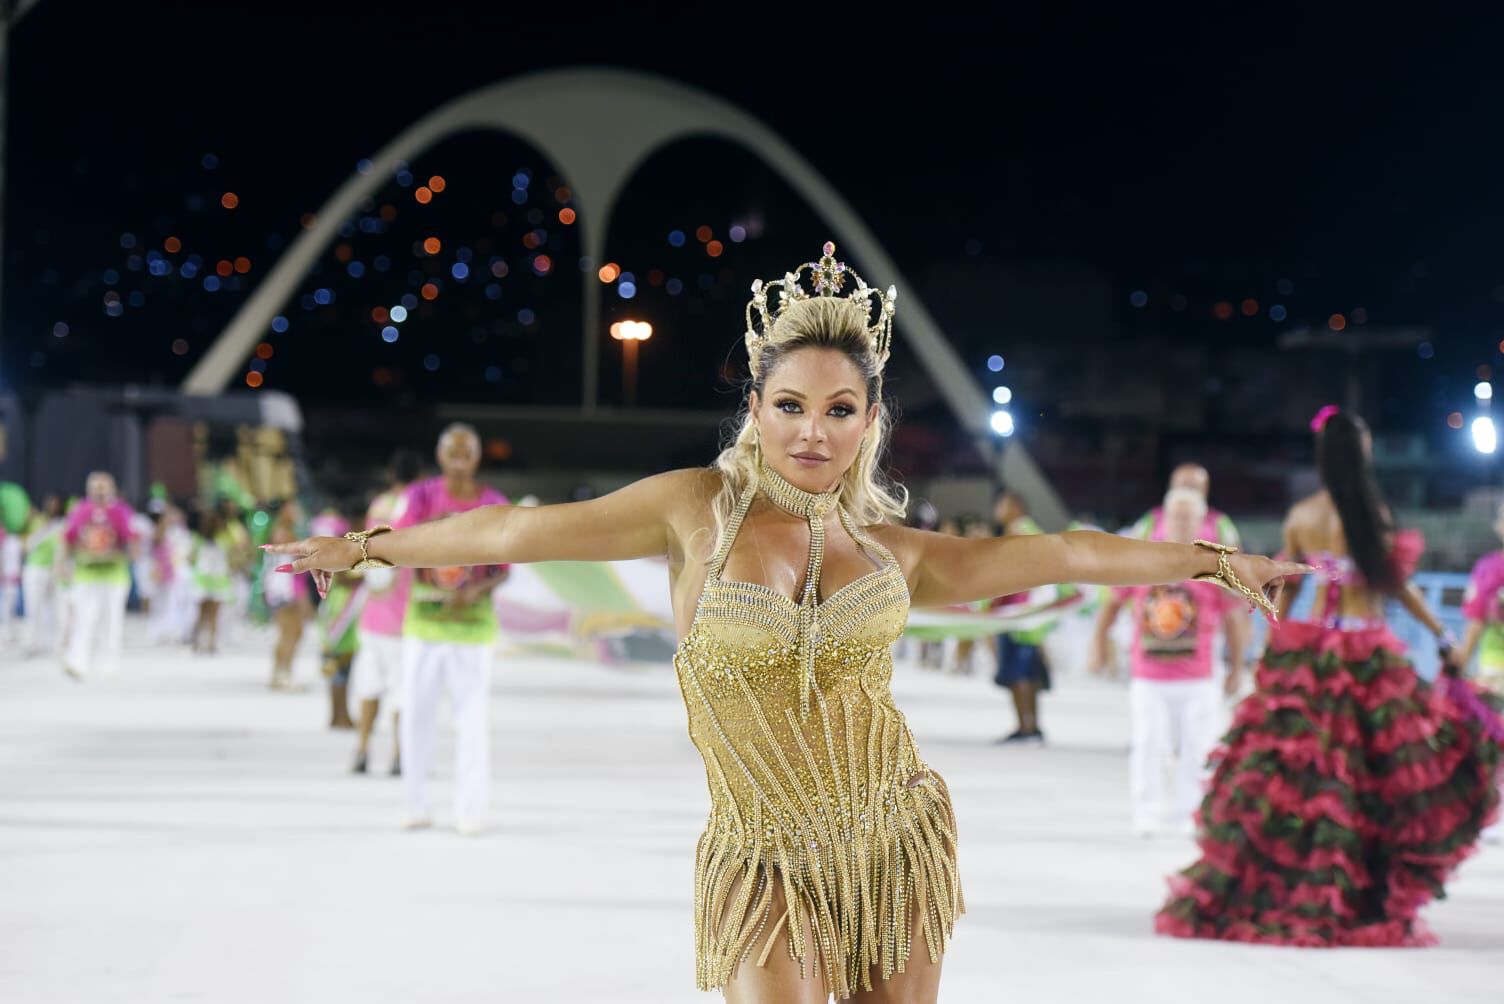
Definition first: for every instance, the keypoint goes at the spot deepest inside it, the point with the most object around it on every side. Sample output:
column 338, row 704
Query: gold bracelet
column 366, row 561
column 1225, row 578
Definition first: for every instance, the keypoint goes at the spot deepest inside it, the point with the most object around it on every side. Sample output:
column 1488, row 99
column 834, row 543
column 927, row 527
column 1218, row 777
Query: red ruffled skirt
column 1345, row 793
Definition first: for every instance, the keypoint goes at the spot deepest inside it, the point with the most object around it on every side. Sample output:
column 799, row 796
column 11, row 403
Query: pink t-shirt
column 98, row 536
column 1483, row 600
column 1174, row 628
column 429, row 616
column 386, row 588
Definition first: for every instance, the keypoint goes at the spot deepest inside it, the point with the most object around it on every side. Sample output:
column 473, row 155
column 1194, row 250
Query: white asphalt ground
column 182, row 834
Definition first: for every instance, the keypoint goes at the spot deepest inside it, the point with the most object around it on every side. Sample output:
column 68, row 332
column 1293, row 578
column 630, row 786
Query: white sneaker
column 417, row 823
column 468, row 828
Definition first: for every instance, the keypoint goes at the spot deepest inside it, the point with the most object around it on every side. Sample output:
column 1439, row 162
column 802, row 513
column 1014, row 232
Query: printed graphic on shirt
column 1169, row 621
column 98, row 541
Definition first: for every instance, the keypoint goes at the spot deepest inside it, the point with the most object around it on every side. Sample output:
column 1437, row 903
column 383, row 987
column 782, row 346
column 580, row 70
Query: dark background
column 1329, row 162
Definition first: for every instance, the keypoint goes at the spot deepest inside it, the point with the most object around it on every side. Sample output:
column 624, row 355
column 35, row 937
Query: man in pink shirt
column 1173, row 697
column 377, row 673
column 98, row 541
column 448, row 635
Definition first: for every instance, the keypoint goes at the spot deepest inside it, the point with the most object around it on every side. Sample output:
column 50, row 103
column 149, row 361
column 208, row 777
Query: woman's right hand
column 320, row 556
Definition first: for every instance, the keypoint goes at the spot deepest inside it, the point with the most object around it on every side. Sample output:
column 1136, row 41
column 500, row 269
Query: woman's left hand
column 1266, row 577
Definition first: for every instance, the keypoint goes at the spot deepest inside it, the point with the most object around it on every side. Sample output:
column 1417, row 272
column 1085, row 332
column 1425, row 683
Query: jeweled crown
column 825, row 277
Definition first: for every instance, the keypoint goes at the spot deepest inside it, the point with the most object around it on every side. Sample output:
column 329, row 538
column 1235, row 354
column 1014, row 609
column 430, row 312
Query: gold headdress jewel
column 826, row 277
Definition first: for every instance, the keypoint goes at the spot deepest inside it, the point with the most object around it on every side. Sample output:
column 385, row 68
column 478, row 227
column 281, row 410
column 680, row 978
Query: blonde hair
column 824, row 322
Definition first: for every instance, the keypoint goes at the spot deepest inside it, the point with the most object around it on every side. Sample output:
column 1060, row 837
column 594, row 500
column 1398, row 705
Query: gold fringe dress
column 816, row 784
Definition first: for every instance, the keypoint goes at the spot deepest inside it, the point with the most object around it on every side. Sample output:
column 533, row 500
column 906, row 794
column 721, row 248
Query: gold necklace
column 813, row 508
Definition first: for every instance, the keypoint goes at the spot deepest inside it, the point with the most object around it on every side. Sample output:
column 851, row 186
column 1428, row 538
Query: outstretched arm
column 640, row 520
column 944, row 570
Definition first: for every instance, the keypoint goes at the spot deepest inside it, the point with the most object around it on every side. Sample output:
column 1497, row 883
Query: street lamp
column 630, row 333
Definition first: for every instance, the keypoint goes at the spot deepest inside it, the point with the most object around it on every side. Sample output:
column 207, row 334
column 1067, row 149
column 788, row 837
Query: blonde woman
column 828, row 865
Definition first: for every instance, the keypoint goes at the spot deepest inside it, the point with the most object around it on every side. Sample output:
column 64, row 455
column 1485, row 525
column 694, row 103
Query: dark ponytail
column 1347, row 473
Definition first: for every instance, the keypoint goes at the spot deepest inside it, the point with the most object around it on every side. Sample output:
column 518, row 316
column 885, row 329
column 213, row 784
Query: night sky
column 1320, row 164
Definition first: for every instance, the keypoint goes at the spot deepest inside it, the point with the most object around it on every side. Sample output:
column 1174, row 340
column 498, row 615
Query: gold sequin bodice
column 813, row 774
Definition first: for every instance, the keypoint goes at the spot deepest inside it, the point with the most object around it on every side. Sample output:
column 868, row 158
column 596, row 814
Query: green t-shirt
column 339, row 619
column 42, row 542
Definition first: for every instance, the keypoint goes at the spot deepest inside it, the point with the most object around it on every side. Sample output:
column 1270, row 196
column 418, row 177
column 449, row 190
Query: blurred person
column 791, row 579
column 1172, row 699
column 1348, row 788
column 1483, row 606
column 338, row 617
column 212, row 587
column 143, row 582
column 973, row 528
column 173, row 607
column 235, row 539
column 377, row 673
column 1217, row 527
column 39, row 575
column 286, row 598
column 12, row 557
column 1021, row 666
column 98, row 544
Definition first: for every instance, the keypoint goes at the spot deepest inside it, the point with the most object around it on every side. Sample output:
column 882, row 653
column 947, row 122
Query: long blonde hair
column 824, row 322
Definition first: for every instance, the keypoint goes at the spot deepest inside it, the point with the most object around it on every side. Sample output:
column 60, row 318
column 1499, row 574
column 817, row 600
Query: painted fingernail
column 264, row 546
column 282, row 568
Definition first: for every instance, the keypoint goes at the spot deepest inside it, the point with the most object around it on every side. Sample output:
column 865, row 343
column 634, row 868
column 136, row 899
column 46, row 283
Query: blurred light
column 355, row 269
column 1277, row 312
column 566, row 216
column 172, row 245
column 307, row 220
column 397, row 314
column 1002, row 423
column 542, row 264
column 404, row 177
column 1138, row 298
column 676, row 238
column 279, row 324
column 224, row 268
column 703, row 234
column 433, row 245
column 1002, row 395
column 389, row 334
column 113, row 308
column 423, row 194
column 493, row 291
column 1360, row 315
column 674, row 287
column 258, row 365
column 242, row 264
column 519, row 195
column 209, row 162
column 229, row 200
column 188, row 270
column 626, row 290
column 1484, row 391
column 1485, row 434
column 531, row 240
column 1426, row 350
column 609, row 272
column 380, row 315
column 363, row 165
column 110, row 277
column 430, row 291
column 1336, row 322
column 436, row 183
column 264, row 350
column 253, row 379
column 409, row 301
column 1250, row 307
column 180, row 347
column 323, row 296
column 343, row 252
column 521, row 179
column 1485, row 372
column 160, row 267
column 562, row 194
column 60, row 330
column 631, row 331
column 460, row 271
column 211, row 283
column 431, row 363
column 738, row 233
column 1454, row 420
column 127, row 240
column 714, row 249
column 526, row 317
column 995, row 363
column 499, row 268
column 1222, row 310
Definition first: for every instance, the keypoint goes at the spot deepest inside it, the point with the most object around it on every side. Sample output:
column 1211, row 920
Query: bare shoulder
column 1310, row 508
column 906, row 543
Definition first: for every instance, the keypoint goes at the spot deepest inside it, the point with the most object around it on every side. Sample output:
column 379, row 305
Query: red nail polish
column 282, row 568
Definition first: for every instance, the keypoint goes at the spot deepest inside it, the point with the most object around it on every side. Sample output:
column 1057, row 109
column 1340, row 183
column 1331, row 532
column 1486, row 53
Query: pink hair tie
column 1323, row 416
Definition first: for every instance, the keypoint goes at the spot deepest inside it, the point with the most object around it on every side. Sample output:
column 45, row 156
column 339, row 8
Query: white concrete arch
column 597, row 126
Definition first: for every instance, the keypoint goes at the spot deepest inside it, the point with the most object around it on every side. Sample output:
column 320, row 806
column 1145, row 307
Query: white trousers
column 464, row 672
column 40, row 630
column 1171, row 719
column 98, row 618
